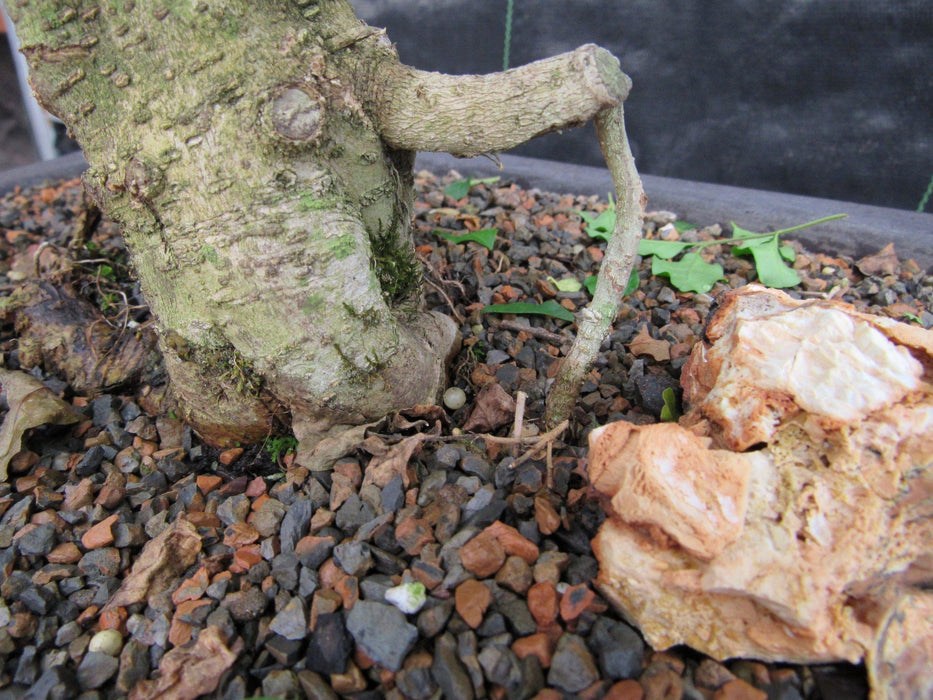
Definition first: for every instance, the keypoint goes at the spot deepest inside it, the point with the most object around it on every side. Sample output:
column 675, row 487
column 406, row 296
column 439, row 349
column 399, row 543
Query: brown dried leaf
column 884, row 262
column 159, row 564
column 317, row 453
column 189, row 672
column 31, row 404
column 644, row 344
column 383, row 468
column 493, row 409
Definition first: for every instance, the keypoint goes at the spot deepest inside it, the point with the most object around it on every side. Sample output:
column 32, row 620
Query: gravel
column 294, row 565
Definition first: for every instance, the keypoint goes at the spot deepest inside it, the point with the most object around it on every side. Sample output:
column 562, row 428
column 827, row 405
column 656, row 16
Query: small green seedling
column 278, row 447
column 485, row 237
column 912, row 318
column 568, row 284
column 548, row 308
column 461, row 188
column 669, row 412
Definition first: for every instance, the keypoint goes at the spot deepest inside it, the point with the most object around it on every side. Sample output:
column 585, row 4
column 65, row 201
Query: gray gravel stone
column 416, row 683
column 572, row 668
column 101, row 562
column 502, row 667
column 96, row 669
column 619, row 649
column 355, row 558
column 474, row 465
column 27, row 666
column 285, row 571
column 57, row 683
column 245, row 605
column 234, row 509
column 393, row 495
column 292, row 621
column 330, row 644
column 433, row 617
column 353, row 513
column 39, row 541
column 281, row 683
column 382, row 631
column 448, row 672
column 134, row 665
column 295, row 523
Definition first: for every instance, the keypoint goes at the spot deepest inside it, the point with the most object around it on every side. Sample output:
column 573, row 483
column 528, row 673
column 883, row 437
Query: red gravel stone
column 543, row 604
column 625, row 690
column 412, row 534
column 100, row 535
column 739, row 690
column 483, row 555
column 471, row 599
column 539, row 644
column 513, row 542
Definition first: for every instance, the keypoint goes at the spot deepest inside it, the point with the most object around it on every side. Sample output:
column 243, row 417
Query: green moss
column 342, row 247
column 211, row 256
column 396, row 267
column 313, row 304
column 308, row 202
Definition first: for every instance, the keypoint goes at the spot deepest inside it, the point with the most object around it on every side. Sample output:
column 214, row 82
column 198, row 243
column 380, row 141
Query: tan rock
column 835, row 505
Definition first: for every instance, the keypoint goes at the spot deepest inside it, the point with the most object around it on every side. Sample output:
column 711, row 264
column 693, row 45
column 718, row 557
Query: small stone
column 448, row 671
column 101, row 534
column 295, row 523
column 407, row 597
column 96, row 669
column 312, row 551
column 268, row 517
column 382, row 632
column 38, row 541
column 433, row 617
column 575, row 601
column 502, row 667
column 353, row 557
column 455, row 398
column 245, row 605
column 483, row 555
column 412, row 534
column 315, row 687
column 57, row 683
column 134, row 665
column 393, row 495
column 208, row 482
column 475, row 465
column 101, row 562
column 712, row 675
column 739, row 690
column 286, row 651
column 65, row 553
column 291, row 621
column 543, row 603
column 353, row 513
column 234, row 509
column 540, row 645
column 572, row 667
column 330, row 644
column 108, row 641
column 625, row 690
column 619, row 649
column 515, row 575
column 660, row 681
column 471, row 599
column 513, row 542
column 281, row 683
column 27, row 668
column 112, row 492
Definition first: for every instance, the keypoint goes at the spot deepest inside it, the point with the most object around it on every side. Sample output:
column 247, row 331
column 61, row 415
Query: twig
column 540, row 333
column 450, row 303
column 542, row 441
column 517, row 426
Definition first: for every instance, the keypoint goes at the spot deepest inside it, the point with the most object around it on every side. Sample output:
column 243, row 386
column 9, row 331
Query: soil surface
column 136, row 560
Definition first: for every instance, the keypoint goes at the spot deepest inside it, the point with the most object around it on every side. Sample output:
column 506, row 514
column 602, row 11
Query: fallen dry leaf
column 189, row 672
column 383, row 468
column 493, row 409
column 162, row 561
column 31, row 404
column 644, row 344
column 884, row 262
column 340, row 440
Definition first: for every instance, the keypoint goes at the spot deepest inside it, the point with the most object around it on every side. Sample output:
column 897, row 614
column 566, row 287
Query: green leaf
column 485, row 237
column 548, row 308
column 691, row 274
column 633, row 282
column 669, row 412
column 681, row 226
column 600, row 226
column 662, row 249
column 568, row 284
column 788, row 253
column 461, row 188
column 772, row 270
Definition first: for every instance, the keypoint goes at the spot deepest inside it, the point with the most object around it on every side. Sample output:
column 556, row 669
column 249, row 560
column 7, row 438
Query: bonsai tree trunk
column 259, row 156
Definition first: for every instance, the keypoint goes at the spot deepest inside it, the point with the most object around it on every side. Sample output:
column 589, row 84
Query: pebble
column 454, row 398
column 472, row 598
column 382, row 632
column 330, row 645
column 96, row 668
column 291, row 621
column 38, row 541
column 448, row 671
column 572, row 667
column 108, row 641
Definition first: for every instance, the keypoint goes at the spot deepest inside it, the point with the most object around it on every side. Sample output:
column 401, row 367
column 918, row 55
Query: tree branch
column 597, row 318
column 470, row 115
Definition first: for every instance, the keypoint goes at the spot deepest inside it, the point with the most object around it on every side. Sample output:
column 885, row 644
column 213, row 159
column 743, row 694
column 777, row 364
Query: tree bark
column 259, row 157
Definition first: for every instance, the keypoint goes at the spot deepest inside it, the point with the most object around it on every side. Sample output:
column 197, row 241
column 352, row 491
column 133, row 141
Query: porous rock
column 798, row 549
